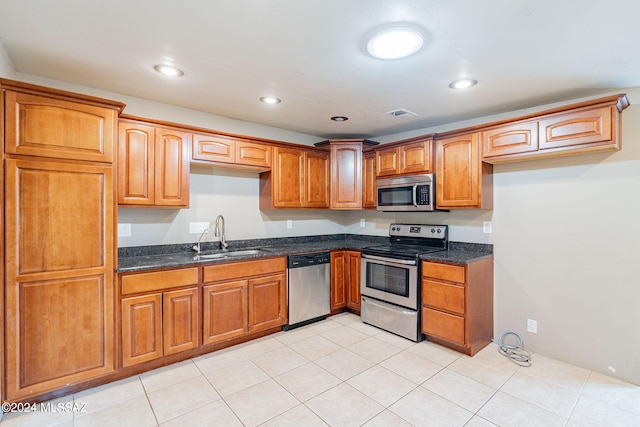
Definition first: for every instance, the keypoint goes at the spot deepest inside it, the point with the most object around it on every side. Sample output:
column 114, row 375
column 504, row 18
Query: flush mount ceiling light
column 168, row 70
column 270, row 100
column 463, row 84
column 339, row 118
column 395, row 43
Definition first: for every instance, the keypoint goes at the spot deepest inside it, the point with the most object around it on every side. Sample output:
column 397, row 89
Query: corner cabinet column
column 59, row 233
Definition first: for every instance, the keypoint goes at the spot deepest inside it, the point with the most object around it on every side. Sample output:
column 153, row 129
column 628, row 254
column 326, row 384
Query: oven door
column 391, row 280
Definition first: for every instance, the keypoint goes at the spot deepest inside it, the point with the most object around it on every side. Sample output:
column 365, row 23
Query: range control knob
column 433, row 230
column 393, row 229
column 439, row 231
column 397, row 228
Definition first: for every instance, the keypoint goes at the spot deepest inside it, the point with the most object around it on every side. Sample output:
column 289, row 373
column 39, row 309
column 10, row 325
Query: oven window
column 386, row 278
column 398, row 196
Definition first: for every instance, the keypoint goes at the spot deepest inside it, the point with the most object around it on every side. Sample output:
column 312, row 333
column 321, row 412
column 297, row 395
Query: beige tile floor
column 342, row 372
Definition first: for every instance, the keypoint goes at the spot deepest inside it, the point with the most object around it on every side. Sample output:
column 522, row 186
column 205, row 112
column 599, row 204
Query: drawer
column 450, row 273
column 158, row 280
column 235, row 270
column 447, row 296
column 443, row 325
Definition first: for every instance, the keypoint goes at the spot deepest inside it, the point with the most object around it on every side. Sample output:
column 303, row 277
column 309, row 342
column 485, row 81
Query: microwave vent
column 401, row 112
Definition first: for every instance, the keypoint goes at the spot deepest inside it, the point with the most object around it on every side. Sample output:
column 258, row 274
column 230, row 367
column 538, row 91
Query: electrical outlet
column 532, row 326
column 486, row 227
column 124, row 230
column 198, row 227
column 289, row 224
column 363, row 224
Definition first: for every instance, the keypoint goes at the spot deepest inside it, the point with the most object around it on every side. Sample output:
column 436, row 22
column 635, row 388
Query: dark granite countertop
column 170, row 256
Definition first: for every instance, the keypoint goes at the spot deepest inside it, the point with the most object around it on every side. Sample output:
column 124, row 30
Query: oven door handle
column 414, row 196
column 388, row 260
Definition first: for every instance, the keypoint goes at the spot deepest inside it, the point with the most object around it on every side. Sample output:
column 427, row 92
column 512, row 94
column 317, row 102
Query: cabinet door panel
column 141, row 329
column 416, row 157
column 59, row 216
column 387, row 162
column 346, row 176
column 180, row 320
column 172, row 168
column 288, row 178
column 136, row 157
column 226, row 311
column 42, row 126
column 214, row 148
column 338, row 285
column 369, row 188
column 248, row 153
column 580, row 127
column 267, row 302
column 317, row 179
column 352, row 276
column 510, row 139
column 443, row 325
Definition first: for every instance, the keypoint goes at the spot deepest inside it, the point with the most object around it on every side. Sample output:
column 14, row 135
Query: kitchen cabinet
column 48, row 126
column 298, row 179
column 153, row 165
column 457, row 304
column 405, row 158
column 158, row 319
column 345, row 280
column 369, row 187
column 346, row 174
column 220, row 149
column 588, row 127
column 58, row 239
column 462, row 180
column 243, row 297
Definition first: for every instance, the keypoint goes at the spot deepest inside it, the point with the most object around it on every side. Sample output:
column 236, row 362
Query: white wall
column 7, row 69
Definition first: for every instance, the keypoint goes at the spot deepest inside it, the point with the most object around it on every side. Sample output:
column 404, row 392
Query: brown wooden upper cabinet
column 587, row 127
column 346, row 174
column 369, row 187
column 208, row 148
column 153, row 165
column 407, row 158
column 298, row 179
column 56, row 128
column 462, row 180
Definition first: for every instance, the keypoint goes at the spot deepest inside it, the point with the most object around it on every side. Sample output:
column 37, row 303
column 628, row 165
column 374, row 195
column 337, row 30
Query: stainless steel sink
column 231, row 254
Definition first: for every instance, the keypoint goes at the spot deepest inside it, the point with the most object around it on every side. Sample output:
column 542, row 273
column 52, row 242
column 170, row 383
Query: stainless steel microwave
column 407, row 193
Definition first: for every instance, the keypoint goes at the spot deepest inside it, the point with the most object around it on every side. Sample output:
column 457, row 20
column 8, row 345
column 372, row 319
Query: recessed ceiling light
column 339, row 118
column 395, row 43
column 463, row 83
column 270, row 100
column 168, row 70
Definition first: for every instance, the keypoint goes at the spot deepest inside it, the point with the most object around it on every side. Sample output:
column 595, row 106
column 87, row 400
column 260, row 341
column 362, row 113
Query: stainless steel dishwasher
column 309, row 289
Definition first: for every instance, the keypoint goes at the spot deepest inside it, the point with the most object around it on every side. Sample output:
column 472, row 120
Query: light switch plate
column 198, row 227
column 124, row 230
column 363, row 224
column 289, row 224
column 486, row 227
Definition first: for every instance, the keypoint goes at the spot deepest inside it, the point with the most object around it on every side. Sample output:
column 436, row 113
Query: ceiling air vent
column 401, row 112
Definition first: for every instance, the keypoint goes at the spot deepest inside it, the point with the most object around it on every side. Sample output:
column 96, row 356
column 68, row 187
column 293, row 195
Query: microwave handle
column 414, row 197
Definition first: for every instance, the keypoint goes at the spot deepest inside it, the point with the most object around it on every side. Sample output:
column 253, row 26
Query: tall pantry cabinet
column 59, row 253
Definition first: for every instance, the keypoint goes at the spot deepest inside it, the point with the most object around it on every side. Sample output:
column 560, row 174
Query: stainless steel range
column 390, row 277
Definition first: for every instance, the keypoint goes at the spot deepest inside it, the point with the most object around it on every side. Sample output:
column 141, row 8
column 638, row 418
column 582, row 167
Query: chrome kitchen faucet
column 196, row 247
column 219, row 231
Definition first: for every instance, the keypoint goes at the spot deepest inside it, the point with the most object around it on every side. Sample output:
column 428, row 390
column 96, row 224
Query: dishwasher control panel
column 306, row 260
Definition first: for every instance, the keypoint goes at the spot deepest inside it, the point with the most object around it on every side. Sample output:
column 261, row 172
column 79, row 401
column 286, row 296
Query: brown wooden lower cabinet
column 457, row 304
column 345, row 280
column 242, row 298
column 159, row 324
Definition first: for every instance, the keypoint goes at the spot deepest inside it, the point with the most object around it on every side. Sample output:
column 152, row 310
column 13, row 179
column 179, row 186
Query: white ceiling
column 312, row 54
